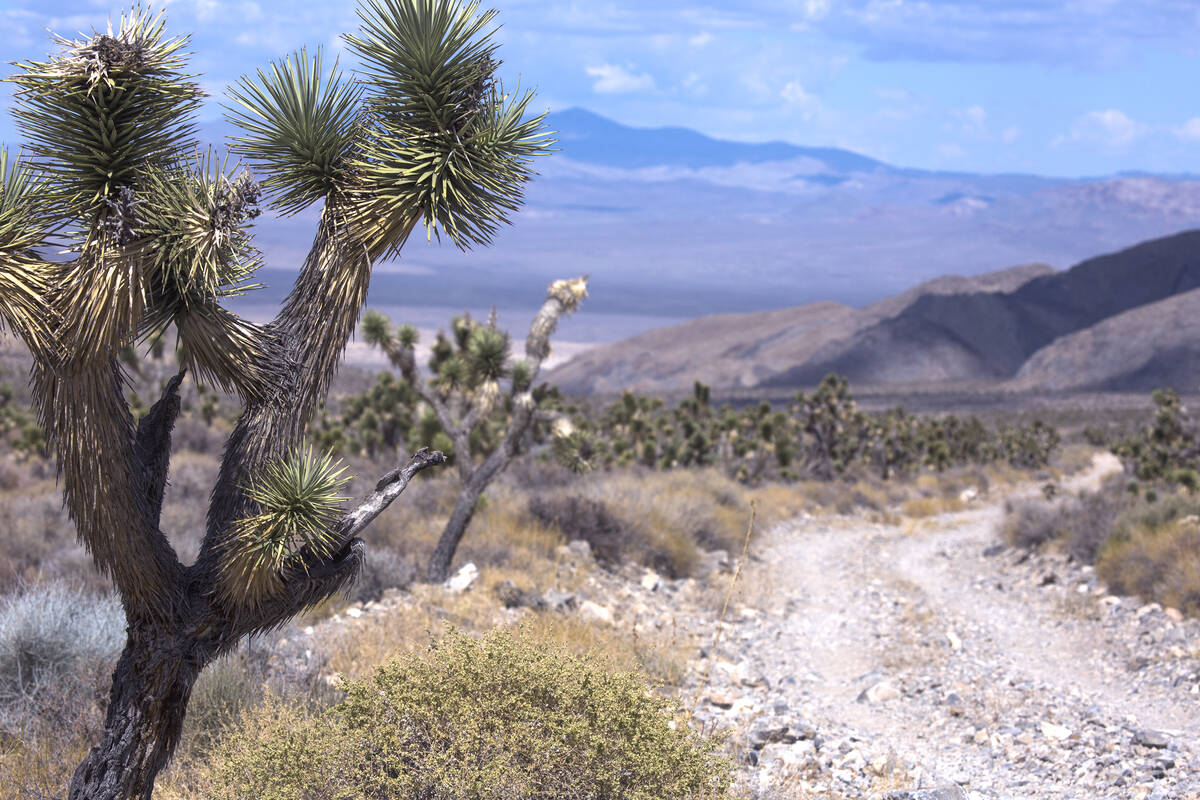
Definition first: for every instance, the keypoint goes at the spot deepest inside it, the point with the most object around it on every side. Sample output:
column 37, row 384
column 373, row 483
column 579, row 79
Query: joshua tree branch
column 389, row 487
column 152, row 445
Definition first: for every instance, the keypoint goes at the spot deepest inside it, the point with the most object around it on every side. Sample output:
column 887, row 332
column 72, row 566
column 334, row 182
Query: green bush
column 490, row 719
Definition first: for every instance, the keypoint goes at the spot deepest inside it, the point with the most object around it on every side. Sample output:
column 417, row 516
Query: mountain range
column 1128, row 320
column 671, row 223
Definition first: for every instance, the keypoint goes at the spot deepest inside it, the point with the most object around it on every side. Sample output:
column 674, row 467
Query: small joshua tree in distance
column 156, row 235
column 464, row 389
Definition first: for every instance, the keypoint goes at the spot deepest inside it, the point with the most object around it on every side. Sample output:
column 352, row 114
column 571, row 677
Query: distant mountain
column 588, row 137
column 747, row 350
column 671, row 223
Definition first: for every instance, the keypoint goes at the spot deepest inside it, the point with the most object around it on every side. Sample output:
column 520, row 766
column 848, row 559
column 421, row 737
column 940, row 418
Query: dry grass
column 921, row 507
column 1160, row 562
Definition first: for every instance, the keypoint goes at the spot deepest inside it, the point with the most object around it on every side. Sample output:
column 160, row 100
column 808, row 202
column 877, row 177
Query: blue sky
column 1084, row 87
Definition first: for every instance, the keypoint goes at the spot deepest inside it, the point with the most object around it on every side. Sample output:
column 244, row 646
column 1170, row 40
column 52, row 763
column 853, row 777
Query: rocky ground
column 921, row 661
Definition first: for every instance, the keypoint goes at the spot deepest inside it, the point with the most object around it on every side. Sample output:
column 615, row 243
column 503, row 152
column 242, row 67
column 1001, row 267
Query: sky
column 1076, row 88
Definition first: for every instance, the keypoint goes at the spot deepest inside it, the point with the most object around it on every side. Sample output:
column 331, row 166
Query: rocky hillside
column 1146, row 348
column 745, row 350
column 1120, row 321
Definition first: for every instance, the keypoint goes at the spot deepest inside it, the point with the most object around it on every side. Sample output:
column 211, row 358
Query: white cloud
column 695, row 84
column 816, row 9
column 1111, row 128
column 700, row 39
column 1010, row 134
column 974, row 120
column 794, row 93
column 1189, row 131
column 614, row 79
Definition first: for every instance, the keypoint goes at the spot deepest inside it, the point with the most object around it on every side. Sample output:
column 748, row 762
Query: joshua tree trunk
column 460, row 411
column 151, row 686
column 474, row 482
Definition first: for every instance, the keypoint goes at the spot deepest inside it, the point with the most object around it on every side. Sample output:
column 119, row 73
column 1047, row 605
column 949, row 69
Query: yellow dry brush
column 299, row 499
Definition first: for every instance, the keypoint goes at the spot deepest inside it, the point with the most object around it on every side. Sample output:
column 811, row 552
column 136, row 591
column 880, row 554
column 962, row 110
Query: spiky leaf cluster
column 103, row 110
column 823, row 435
column 195, row 218
column 1166, row 450
column 299, row 124
column 445, row 144
column 24, row 277
column 298, row 498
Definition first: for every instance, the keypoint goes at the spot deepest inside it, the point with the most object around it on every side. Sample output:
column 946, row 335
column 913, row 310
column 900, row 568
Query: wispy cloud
column 615, row 79
column 1109, row 128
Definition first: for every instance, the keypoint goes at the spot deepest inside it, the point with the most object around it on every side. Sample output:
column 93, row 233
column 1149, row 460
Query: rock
column 993, row 550
column 968, row 494
column 594, row 612
column 354, row 612
column 511, row 596
column 559, row 601
column 721, row 699
column 764, row 735
column 780, row 756
column 941, row 793
column 651, row 581
column 1148, row 738
column 1174, row 614
column 1146, row 610
column 461, row 581
column 1055, row 732
column 714, row 560
column 580, row 548
column 955, row 642
column 879, row 693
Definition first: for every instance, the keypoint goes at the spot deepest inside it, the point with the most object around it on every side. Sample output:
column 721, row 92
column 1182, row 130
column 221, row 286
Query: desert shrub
column 49, row 635
column 497, row 718
column 1154, row 551
column 584, row 518
column 1033, row 523
column 1095, row 515
column 1077, row 525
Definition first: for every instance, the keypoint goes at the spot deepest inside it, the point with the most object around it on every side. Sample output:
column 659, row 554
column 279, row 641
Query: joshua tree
column 157, row 234
column 465, row 388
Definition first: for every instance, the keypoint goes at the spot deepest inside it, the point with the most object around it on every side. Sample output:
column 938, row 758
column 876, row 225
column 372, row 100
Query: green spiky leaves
column 487, row 354
column 24, row 275
column 298, row 498
column 376, row 328
column 104, row 109
column 195, row 218
column 447, row 145
column 300, row 128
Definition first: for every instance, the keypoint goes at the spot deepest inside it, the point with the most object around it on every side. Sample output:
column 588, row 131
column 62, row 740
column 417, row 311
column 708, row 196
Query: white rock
column 462, row 580
column 595, row 612
column 968, row 494
column 780, row 756
column 354, row 612
column 880, row 693
column 1055, row 732
column 955, row 642
column 651, row 581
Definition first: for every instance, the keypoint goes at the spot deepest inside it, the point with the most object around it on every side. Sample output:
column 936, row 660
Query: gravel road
column 867, row 659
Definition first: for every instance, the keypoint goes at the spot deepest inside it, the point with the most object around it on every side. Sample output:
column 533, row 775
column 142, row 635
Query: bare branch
column 389, row 487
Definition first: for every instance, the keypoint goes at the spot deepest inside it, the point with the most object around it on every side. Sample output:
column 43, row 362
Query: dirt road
column 919, row 655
